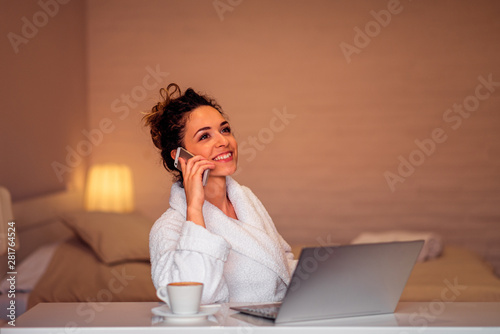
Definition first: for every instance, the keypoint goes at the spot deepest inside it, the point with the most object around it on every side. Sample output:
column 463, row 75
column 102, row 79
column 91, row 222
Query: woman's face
column 208, row 134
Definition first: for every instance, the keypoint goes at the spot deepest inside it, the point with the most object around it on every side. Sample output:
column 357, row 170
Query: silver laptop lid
column 348, row 280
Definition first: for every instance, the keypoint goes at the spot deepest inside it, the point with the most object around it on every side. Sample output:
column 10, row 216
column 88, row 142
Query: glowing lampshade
column 109, row 188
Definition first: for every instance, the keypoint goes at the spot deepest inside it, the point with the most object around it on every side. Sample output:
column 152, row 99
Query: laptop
column 343, row 281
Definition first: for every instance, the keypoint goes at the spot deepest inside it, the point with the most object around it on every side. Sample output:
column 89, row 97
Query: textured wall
column 42, row 96
column 351, row 115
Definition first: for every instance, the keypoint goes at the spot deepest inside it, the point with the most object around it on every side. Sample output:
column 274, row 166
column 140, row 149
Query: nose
column 222, row 140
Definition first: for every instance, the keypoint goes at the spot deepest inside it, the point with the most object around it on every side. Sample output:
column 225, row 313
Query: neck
column 216, row 193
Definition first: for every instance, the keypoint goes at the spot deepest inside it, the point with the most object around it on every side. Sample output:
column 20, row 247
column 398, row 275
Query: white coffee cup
column 182, row 297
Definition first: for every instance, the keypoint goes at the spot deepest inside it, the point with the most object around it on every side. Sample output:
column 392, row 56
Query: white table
column 422, row 317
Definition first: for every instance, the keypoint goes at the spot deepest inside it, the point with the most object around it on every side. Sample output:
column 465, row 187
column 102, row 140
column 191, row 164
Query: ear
column 173, row 153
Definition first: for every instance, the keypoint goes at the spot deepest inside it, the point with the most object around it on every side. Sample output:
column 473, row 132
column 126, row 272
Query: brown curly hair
column 167, row 121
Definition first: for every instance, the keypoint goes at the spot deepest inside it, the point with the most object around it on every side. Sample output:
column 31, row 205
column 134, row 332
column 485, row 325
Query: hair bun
column 168, row 93
column 154, row 117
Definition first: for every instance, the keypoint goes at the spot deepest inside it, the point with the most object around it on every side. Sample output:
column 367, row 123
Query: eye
column 226, row 129
column 204, row 136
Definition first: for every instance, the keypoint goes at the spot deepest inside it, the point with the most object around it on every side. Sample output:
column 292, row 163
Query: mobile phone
column 186, row 155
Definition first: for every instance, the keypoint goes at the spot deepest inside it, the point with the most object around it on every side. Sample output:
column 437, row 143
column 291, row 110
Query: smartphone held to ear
column 186, row 155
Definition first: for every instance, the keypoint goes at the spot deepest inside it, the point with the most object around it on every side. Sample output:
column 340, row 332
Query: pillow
column 114, row 237
column 75, row 274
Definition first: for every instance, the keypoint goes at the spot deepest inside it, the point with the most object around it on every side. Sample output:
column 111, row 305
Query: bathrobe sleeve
column 180, row 250
column 292, row 262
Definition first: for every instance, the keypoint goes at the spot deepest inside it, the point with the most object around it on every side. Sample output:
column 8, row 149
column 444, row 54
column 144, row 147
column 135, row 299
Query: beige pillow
column 114, row 237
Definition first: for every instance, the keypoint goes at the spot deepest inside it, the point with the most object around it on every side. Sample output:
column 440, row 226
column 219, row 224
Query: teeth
column 225, row 156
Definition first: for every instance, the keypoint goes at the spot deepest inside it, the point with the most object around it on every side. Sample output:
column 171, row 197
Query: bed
column 66, row 254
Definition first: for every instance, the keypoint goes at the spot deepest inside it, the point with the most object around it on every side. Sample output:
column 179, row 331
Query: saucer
column 205, row 311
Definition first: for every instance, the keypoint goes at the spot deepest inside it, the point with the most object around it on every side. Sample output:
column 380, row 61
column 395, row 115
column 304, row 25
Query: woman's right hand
column 192, row 172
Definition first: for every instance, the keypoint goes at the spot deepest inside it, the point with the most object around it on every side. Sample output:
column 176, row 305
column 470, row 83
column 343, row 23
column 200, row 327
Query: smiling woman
column 208, row 135
column 219, row 234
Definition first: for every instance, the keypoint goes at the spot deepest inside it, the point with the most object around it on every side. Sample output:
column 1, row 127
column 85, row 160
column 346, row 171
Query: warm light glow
column 109, row 188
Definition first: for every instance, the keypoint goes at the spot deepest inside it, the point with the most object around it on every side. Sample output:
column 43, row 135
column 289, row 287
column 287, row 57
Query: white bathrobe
column 244, row 260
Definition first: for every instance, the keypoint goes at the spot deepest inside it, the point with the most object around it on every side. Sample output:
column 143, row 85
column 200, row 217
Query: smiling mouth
column 223, row 156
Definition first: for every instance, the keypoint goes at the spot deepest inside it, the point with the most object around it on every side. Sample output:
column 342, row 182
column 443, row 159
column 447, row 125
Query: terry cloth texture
column 243, row 260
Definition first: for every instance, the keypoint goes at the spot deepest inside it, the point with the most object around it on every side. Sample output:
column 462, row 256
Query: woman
column 219, row 234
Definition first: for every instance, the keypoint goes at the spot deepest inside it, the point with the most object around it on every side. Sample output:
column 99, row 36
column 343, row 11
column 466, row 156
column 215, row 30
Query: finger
column 199, row 161
column 200, row 167
column 205, row 164
column 183, row 164
column 193, row 168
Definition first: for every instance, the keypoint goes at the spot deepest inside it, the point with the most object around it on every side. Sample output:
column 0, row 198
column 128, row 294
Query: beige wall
column 42, row 96
column 320, row 171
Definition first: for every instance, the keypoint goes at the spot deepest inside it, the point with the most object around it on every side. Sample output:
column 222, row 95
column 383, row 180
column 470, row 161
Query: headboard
column 37, row 222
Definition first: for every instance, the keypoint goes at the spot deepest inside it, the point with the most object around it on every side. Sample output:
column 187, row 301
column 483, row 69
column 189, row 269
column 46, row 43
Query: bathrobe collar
column 253, row 234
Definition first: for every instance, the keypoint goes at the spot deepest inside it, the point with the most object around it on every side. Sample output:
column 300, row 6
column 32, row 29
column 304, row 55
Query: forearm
column 184, row 251
column 196, row 216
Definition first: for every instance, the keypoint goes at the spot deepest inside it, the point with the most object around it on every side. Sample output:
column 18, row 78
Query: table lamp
column 109, row 188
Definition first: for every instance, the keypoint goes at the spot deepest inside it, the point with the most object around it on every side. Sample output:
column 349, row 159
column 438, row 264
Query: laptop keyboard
column 269, row 311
